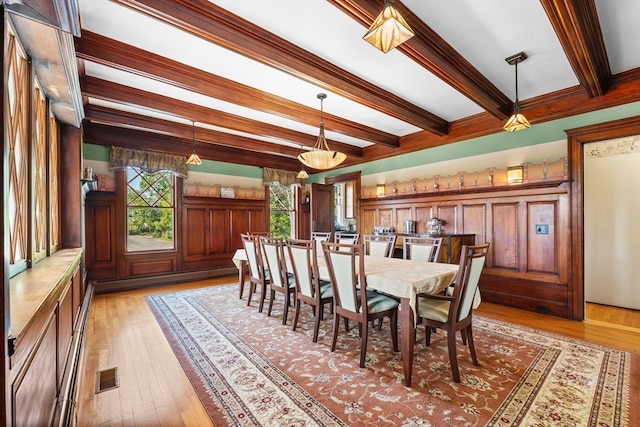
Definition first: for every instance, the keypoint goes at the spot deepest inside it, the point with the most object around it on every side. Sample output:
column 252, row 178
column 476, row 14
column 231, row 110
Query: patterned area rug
column 250, row 370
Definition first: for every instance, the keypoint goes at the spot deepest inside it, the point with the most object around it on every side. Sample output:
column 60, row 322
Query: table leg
column 241, row 272
column 408, row 338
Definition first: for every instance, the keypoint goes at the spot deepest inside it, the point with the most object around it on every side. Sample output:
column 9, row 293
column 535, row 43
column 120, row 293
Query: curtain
column 282, row 176
column 149, row 162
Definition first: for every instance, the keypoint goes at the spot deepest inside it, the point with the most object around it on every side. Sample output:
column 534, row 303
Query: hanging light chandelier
column 321, row 157
column 389, row 29
column 517, row 121
column 194, row 159
column 302, row 174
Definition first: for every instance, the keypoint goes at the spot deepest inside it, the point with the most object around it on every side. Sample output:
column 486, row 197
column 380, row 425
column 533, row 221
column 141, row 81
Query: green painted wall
column 537, row 134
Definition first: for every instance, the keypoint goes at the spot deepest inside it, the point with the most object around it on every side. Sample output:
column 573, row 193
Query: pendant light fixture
column 194, row 159
column 303, row 173
column 321, row 157
column 517, row 121
column 389, row 29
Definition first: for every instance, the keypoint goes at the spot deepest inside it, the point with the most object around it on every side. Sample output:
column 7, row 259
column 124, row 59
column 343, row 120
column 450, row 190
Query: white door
column 612, row 222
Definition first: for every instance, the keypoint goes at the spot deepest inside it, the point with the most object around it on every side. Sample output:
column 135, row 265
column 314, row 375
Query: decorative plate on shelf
column 227, row 192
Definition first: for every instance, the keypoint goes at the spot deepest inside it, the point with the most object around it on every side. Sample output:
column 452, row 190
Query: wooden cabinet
column 100, row 235
column 452, row 247
column 45, row 336
column 211, row 229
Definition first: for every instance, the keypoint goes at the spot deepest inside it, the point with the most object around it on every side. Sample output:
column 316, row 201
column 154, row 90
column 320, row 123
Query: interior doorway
column 611, row 226
column 577, row 138
column 347, row 201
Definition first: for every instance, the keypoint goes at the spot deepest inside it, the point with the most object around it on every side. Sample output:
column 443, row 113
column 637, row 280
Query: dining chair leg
column 394, row 331
column 316, row 324
column 263, row 296
column 336, row 326
column 285, row 310
column 472, row 348
column 427, row 335
column 296, row 313
column 453, row 356
column 252, row 286
column 272, row 296
column 364, row 330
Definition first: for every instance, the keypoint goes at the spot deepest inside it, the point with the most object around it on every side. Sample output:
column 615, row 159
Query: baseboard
column 65, row 407
column 107, row 286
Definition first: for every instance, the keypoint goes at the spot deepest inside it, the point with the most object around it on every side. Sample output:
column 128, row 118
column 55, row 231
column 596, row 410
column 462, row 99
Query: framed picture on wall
column 227, row 192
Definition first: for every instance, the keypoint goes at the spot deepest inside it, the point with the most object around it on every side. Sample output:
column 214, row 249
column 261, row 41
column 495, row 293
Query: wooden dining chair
column 259, row 274
column 422, row 248
column 280, row 279
column 309, row 288
column 348, row 238
column 380, row 246
column 351, row 299
column 454, row 312
column 320, row 236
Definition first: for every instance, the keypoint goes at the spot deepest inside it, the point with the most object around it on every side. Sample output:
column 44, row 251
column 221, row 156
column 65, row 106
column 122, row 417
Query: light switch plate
column 542, row 228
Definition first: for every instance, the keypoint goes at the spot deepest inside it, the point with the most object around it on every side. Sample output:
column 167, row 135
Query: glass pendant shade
column 302, row 174
column 517, row 121
column 388, row 30
column 321, row 157
column 194, row 159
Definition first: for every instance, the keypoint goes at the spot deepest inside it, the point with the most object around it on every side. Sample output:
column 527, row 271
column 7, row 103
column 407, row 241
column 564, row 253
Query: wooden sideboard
column 450, row 249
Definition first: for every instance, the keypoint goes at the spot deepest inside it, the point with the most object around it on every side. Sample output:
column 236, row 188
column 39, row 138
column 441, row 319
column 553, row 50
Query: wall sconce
column 380, row 190
column 514, row 174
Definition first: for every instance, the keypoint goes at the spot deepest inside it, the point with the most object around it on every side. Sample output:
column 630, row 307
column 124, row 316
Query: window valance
column 147, row 161
column 284, row 177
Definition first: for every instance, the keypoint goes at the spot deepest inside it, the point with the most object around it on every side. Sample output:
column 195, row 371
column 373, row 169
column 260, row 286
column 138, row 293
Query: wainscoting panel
column 505, row 235
column 542, row 253
column 474, row 220
column 527, row 226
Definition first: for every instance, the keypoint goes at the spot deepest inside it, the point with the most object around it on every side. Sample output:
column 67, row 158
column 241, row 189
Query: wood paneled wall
column 207, row 235
column 524, row 269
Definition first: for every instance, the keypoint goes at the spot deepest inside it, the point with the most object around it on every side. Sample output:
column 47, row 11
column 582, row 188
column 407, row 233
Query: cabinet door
column 195, row 232
column 100, row 236
column 239, row 223
column 220, row 231
column 322, row 207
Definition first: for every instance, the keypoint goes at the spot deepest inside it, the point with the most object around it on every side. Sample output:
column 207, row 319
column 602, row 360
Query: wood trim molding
column 577, row 26
column 112, row 53
column 575, row 147
column 219, row 26
column 432, row 52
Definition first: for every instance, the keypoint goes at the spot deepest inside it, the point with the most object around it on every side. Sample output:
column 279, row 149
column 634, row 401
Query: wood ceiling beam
column 624, row 89
column 217, row 25
column 117, row 118
column 101, row 134
column 112, row 53
column 434, row 54
column 101, row 89
column 577, row 26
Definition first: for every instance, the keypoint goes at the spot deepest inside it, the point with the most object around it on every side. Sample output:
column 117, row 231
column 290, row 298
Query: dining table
column 240, row 261
column 401, row 278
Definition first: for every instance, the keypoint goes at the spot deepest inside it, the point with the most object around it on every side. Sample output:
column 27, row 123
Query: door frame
column 575, row 147
column 345, row 177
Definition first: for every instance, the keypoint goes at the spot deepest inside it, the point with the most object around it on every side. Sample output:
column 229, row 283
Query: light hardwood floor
column 154, row 391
